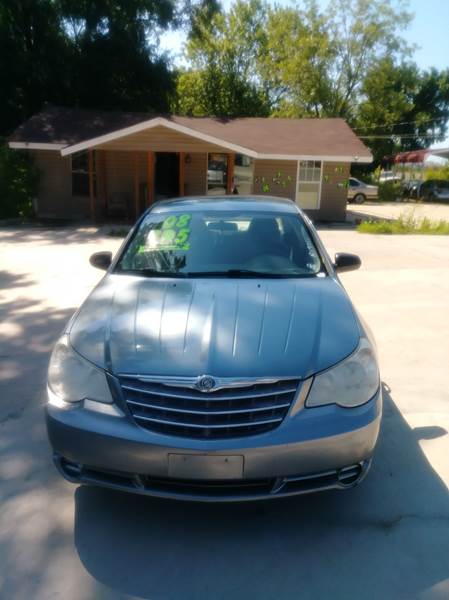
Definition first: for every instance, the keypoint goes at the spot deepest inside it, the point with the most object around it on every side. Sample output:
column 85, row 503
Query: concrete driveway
column 389, row 538
column 392, row 210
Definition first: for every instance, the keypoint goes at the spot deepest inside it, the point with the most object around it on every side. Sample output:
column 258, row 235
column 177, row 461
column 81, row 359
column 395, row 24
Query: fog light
column 349, row 475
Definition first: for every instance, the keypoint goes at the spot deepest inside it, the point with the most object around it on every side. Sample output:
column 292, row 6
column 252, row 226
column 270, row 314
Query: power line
column 401, row 123
column 410, row 136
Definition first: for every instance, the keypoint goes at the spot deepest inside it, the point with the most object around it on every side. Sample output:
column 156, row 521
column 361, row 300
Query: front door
column 166, row 175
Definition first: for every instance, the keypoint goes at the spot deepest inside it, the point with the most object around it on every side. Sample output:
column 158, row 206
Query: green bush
column 437, row 173
column 18, row 182
column 389, row 191
column 406, row 224
column 365, row 173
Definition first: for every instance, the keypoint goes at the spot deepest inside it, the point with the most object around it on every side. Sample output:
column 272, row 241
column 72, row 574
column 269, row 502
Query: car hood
column 222, row 327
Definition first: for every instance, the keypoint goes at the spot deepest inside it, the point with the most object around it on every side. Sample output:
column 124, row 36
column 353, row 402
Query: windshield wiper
column 227, row 273
column 244, row 273
column 151, row 273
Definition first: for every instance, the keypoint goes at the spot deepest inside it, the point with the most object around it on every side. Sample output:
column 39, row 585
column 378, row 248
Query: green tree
column 18, row 182
column 223, row 50
column 199, row 16
column 301, row 61
column 94, row 54
column 320, row 58
column 34, row 59
column 115, row 55
column 402, row 107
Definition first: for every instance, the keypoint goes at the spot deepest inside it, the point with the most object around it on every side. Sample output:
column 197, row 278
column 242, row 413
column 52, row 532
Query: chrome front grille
column 226, row 412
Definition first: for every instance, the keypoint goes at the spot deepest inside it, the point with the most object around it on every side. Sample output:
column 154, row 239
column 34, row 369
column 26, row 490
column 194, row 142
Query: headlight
column 352, row 382
column 72, row 378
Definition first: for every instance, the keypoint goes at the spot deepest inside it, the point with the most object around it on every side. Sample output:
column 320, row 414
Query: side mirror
column 346, row 262
column 101, row 260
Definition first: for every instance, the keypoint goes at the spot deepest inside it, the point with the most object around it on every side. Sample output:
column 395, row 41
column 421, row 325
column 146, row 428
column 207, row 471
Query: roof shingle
column 269, row 136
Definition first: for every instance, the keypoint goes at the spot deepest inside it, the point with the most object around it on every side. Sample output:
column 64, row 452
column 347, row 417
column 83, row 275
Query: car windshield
column 232, row 244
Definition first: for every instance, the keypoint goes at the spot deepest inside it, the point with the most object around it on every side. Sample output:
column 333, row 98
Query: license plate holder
column 205, row 466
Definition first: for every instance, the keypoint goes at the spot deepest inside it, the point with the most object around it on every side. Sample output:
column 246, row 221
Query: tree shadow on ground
column 13, row 280
column 387, row 538
column 31, row 494
column 62, row 233
column 28, row 330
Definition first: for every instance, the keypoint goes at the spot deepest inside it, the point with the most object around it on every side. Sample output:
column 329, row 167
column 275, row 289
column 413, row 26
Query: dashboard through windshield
column 221, row 243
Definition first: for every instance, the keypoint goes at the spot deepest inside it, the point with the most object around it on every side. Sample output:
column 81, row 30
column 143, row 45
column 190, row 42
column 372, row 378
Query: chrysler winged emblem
column 205, row 383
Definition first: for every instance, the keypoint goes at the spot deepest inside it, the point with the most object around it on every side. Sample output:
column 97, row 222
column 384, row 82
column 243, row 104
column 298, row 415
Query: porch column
column 182, row 169
column 150, row 178
column 91, row 184
column 104, row 183
column 230, row 176
column 136, row 184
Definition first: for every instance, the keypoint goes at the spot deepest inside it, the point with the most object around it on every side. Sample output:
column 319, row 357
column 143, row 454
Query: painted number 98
column 179, row 222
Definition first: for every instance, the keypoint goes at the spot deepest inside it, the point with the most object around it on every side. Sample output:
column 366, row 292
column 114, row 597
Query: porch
column 126, row 182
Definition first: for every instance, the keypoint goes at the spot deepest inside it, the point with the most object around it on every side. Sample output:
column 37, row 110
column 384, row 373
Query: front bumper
column 321, row 448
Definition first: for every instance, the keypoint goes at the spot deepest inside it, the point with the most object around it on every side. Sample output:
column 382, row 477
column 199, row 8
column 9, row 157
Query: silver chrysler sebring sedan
column 219, row 358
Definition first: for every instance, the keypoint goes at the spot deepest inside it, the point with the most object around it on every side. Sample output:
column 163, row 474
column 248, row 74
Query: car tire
column 359, row 198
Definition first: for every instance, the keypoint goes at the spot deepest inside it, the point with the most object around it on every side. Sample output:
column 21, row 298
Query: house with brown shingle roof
column 99, row 164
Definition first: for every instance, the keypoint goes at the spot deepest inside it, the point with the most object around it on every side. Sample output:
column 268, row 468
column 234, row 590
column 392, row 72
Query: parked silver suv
column 218, row 359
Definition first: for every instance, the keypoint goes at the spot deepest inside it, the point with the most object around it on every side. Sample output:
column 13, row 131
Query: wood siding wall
column 120, row 179
column 120, row 173
column 161, row 139
column 115, row 176
column 196, row 175
column 55, row 198
column 278, row 175
column 334, row 193
column 333, row 187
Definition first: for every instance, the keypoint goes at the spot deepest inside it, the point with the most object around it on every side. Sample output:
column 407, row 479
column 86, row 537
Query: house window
column 217, row 174
column 243, row 174
column 308, row 184
column 80, row 174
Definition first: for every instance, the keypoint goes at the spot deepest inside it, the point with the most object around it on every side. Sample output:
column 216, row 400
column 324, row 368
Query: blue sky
column 429, row 31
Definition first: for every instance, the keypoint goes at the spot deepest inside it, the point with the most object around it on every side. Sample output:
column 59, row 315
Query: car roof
column 225, row 203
